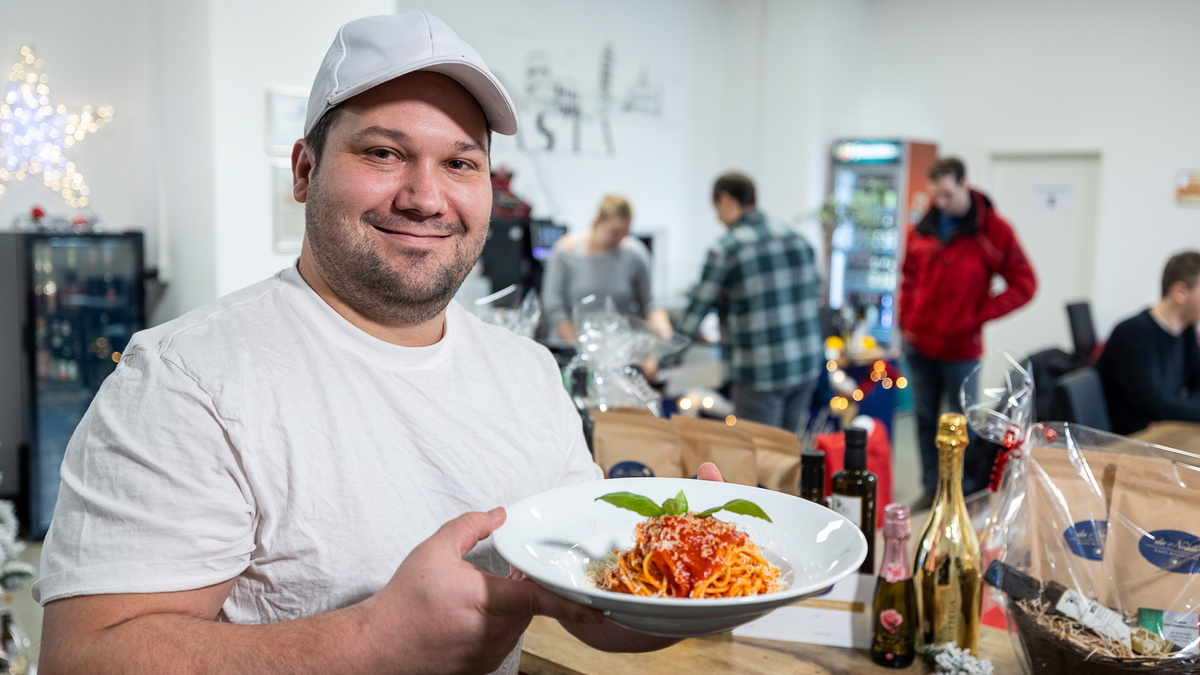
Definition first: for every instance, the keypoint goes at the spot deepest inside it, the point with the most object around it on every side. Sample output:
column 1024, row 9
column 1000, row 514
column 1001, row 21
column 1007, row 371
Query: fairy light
column 730, row 420
column 34, row 134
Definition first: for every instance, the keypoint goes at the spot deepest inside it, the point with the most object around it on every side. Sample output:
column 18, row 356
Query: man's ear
column 1178, row 292
column 303, row 165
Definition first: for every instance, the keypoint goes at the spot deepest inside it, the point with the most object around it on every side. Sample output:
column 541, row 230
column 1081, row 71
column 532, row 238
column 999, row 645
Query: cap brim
column 497, row 106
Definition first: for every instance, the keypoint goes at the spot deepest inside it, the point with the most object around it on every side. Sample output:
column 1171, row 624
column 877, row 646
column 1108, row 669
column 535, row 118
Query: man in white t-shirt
column 303, row 476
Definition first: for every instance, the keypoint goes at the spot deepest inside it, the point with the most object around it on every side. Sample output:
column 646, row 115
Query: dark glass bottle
column 854, row 491
column 812, row 476
column 894, row 629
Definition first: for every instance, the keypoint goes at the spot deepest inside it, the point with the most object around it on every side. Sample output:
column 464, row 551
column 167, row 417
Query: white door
column 1051, row 200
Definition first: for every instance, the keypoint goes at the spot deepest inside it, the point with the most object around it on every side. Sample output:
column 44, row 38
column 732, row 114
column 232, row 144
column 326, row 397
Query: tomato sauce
column 689, row 548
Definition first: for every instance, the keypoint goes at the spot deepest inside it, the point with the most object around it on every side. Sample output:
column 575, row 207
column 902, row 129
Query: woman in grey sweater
column 602, row 262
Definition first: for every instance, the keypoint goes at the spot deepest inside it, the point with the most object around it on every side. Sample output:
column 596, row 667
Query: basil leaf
column 676, row 506
column 739, row 506
column 637, row 503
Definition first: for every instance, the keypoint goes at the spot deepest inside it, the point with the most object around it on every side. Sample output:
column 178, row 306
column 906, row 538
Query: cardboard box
column 839, row 618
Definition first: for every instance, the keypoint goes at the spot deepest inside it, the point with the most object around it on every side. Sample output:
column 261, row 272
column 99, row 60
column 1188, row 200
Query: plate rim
column 501, row 541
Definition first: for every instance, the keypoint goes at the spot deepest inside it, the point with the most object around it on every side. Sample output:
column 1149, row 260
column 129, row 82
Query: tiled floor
column 906, row 467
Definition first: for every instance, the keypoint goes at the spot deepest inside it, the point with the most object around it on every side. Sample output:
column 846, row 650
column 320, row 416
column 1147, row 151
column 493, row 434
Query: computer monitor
column 542, row 236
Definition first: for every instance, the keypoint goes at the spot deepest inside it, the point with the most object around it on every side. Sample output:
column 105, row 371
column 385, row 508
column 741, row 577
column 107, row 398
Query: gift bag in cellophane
column 1105, row 530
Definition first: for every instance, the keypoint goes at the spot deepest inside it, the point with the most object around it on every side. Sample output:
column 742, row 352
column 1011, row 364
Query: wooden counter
column 1172, row 434
column 550, row 650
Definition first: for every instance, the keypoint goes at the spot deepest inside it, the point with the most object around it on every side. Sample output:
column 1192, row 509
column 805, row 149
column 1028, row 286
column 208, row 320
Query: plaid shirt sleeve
column 707, row 293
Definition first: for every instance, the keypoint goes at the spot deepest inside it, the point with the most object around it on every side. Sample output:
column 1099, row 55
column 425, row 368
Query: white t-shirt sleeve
column 152, row 497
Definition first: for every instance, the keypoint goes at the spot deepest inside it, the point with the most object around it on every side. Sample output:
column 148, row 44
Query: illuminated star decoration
column 33, row 134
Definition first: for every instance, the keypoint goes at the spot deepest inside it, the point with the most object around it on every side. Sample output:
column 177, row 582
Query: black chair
column 1046, row 366
column 1081, row 397
column 1083, row 330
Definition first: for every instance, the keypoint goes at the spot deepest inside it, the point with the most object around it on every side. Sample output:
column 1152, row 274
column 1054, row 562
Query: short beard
column 367, row 282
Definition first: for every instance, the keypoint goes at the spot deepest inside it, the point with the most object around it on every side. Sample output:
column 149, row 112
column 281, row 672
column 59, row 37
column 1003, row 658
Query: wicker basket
column 1050, row 654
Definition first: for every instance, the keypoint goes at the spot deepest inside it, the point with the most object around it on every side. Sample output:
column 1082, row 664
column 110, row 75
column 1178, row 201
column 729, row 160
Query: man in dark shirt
column 1150, row 366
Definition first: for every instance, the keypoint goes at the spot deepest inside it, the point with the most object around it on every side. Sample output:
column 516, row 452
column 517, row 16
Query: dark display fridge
column 877, row 189
column 70, row 303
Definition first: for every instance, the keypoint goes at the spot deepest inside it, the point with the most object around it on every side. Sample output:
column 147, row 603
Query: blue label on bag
column 1172, row 550
column 630, row 469
column 1086, row 538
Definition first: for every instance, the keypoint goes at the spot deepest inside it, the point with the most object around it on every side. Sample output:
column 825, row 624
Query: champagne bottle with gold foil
column 947, row 571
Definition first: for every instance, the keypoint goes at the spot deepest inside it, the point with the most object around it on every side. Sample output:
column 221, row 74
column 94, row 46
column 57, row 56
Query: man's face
column 397, row 210
column 727, row 208
column 949, row 196
column 1189, row 301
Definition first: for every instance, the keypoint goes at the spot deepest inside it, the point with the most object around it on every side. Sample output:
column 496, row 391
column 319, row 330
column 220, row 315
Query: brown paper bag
column 777, row 456
column 1068, row 506
column 1154, row 538
column 631, row 444
column 731, row 449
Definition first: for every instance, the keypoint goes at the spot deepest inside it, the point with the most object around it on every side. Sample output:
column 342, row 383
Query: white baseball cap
column 370, row 51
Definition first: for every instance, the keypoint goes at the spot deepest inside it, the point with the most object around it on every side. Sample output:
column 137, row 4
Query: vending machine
column 70, row 303
column 877, row 188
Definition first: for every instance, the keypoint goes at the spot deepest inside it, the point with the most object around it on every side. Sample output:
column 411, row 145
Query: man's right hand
column 441, row 614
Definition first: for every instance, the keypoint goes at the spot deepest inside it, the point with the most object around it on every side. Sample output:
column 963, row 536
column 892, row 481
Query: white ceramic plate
column 552, row 536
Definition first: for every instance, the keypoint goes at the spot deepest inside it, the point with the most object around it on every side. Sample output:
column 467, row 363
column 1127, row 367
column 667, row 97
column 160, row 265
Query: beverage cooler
column 70, row 303
column 877, row 189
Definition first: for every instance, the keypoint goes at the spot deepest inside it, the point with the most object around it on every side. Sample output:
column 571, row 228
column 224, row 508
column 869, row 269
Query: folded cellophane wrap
column 609, row 347
column 1114, row 519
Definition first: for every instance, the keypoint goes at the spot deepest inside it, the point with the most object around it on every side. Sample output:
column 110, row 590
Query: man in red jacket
column 951, row 258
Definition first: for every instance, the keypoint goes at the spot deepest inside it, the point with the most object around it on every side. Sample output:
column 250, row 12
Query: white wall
column 256, row 45
column 1102, row 75
column 758, row 85
column 184, row 162
column 93, row 54
column 663, row 163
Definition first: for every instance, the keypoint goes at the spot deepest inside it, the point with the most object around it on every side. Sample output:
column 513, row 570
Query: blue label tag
column 1086, row 538
column 630, row 469
column 1172, row 550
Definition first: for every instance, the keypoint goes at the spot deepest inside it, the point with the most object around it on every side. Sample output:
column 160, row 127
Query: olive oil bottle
column 812, row 476
column 854, row 490
column 947, row 570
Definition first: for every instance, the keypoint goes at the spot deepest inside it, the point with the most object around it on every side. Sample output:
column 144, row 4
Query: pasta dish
column 685, row 556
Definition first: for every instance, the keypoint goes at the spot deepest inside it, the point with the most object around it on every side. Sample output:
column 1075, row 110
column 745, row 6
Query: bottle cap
column 812, row 470
column 897, row 521
column 855, row 439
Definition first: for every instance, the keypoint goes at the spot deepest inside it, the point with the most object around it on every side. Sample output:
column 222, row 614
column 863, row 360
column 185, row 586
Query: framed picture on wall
column 286, row 107
column 1187, row 186
column 287, row 213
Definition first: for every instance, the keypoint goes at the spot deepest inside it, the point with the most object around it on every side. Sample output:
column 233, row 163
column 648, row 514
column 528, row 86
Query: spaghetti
column 684, row 556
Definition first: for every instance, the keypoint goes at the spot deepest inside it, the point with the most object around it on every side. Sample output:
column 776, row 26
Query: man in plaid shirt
column 762, row 278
